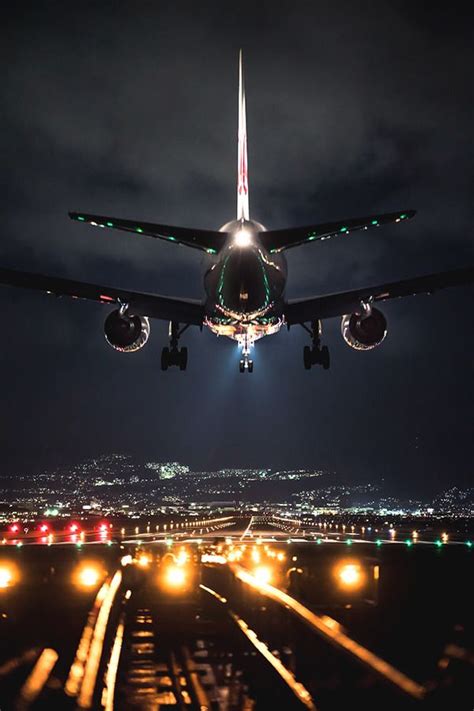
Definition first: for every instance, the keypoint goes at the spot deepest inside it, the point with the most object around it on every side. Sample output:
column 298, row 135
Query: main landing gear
column 316, row 354
column 173, row 355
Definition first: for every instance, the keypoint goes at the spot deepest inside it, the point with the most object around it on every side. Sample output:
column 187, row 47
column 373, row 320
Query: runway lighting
column 408, row 542
column 143, row 560
column 175, row 576
column 44, row 528
column 350, row 575
column 14, row 528
column 88, row 576
column 7, row 576
column 263, row 574
column 378, row 542
column 349, row 542
column 73, row 528
column 438, row 543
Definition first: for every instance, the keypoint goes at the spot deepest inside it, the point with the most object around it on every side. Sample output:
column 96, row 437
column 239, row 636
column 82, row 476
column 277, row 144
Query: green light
column 172, row 239
column 19, row 545
column 79, row 544
column 408, row 542
column 109, row 543
column 469, row 544
column 378, row 542
column 109, row 224
column 138, row 229
column 374, row 222
column 349, row 542
column 343, row 229
column 319, row 541
column 213, row 251
column 82, row 219
column 438, row 543
column 402, row 217
column 310, row 239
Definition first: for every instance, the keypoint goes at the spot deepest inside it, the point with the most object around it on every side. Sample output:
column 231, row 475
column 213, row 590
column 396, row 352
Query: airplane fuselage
column 245, row 286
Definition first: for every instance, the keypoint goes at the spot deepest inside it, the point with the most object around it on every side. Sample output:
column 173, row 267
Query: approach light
column 6, row 577
column 143, row 560
column 175, row 576
column 44, row 528
column 263, row 574
column 242, row 238
column 88, row 576
column 14, row 528
column 350, row 575
column 73, row 527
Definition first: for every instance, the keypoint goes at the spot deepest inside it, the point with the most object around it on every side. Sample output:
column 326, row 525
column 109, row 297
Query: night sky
column 130, row 109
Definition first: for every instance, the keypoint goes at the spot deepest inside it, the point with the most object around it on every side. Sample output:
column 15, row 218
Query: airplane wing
column 161, row 307
column 347, row 302
column 206, row 240
column 278, row 240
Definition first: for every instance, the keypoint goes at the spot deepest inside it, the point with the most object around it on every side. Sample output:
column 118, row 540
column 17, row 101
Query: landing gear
column 174, row 355
column 246, row 363
column 316, row 354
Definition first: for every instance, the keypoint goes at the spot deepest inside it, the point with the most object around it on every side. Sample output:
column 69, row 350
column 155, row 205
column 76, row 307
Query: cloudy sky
column 130, row 109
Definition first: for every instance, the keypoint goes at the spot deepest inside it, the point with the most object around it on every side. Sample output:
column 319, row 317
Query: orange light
column 175, row 576
column 143, row 560
column 263, row 574
column 88, row 576
column 350, row 575
column 6, row 577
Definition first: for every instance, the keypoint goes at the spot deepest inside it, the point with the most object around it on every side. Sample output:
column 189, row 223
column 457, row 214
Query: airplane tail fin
column 242, row 162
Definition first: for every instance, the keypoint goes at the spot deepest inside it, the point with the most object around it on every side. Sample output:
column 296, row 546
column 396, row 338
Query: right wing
column 278, row 240
column 346, row 302
column 206, row 240
column 141, row 304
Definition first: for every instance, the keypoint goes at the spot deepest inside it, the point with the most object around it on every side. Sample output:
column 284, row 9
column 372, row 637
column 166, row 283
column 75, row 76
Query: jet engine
column 365, row 330
column 126, row 333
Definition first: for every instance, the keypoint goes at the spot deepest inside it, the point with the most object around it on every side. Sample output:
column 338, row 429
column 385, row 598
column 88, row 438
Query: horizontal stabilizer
column 141, row 304
column 206, row 240
column 346, row 302
column 278, row 240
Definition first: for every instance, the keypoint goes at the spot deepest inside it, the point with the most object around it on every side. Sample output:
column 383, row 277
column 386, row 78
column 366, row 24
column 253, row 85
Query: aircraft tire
column 307, row 358
column 165, row 358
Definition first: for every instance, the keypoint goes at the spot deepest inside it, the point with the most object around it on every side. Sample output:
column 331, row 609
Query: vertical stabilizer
column 242, row 175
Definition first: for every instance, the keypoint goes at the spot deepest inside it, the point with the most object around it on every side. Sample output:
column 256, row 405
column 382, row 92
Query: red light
column 14, row 528
column 103, row 527
column 73, row 527
column 44, row 528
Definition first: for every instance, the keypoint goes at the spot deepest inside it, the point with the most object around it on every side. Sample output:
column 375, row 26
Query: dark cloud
column 130, row 109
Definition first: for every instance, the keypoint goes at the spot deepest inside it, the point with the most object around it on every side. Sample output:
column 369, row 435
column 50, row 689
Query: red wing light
column 103, row 297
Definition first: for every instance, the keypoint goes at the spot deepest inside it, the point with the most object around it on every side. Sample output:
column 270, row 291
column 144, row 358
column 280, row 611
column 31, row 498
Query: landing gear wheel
column 165, row 358
column 307, row 358
column 241, row 366
column 183, row 358
column 250, row 366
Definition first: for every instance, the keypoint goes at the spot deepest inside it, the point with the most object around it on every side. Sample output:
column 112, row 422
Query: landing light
column 88, row 576
column 6, row 577
column 242, row 238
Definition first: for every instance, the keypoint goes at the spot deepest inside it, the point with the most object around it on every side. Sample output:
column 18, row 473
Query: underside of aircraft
column 244, row 282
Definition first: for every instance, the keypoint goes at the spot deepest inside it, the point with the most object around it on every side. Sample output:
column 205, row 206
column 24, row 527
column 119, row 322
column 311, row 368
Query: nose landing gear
column 173, row 355
column 246, row 363
column 316, row 354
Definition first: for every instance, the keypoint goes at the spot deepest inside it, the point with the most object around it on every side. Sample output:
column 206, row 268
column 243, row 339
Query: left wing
column 278, row 240
column 141, row 304
column 347, row 302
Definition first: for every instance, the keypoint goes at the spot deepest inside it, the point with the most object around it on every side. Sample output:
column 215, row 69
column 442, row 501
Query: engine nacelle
column 364, row 331
column 126, row 333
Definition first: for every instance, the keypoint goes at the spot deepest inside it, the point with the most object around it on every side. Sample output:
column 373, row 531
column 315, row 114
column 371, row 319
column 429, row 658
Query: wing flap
column 345, row 302
column 278, row 240
column 142, row 304
column 206, row 240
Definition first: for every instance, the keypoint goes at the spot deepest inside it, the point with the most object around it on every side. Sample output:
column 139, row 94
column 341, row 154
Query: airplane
column 244, row 282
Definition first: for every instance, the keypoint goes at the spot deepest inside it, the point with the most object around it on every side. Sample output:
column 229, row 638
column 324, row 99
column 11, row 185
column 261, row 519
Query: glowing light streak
column 111, row 674
column 38, row 677
column 95, row 650
column 335, row 635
